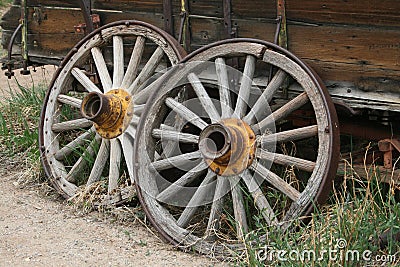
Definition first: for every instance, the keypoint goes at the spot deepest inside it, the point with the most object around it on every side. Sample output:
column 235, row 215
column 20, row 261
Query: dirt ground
column 36, row 230
column 41, row 230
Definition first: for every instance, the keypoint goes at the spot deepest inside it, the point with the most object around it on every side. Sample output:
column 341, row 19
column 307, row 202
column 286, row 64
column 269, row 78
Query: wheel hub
column 111, row 112
column 228, row 146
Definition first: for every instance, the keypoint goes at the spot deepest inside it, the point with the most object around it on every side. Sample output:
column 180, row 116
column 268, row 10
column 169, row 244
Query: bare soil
column 36, row 230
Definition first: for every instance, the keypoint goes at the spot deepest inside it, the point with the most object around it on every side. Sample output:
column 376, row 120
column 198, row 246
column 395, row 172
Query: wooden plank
column 253, row 9
column 151, row 6
column 53, row 3
column 372, row 12
column 367, row 47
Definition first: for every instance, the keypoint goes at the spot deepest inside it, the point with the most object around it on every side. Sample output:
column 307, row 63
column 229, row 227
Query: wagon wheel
column 223, row 174
column 93, row 105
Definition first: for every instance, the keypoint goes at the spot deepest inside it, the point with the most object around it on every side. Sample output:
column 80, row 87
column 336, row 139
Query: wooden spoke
column 99, row 163
column 79, row 165
column 138, row 109
column 166, row 127
column 101, row 67
column 147, row 70
column 134, row 62
column 71, row 125
column 259, row 199
column 118, row 54
column 204, row 98
column 282, row 112
column 176, row 161
column 135, row 120
column 238, row 207
column 84, row 80
column 115, row 161
column 145, row 91
column 286, row 160
column 69, row 100
column 216, row 208
column 127, row 142
column 73, row 145
column 131, row 130
column 175, row 136
column 290, row 135
column 245, row 86
column 178, row 184
column 185, row 113
column 276, row 181
column 223, row 82
column 266, row 97
column 196, row 200
column 108, row 59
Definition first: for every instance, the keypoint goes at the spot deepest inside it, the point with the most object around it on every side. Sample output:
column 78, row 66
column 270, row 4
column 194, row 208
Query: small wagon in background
column 199, row 108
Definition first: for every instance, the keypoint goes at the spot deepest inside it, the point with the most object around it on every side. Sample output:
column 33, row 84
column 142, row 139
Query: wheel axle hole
column 92, row 106
column 215, row 142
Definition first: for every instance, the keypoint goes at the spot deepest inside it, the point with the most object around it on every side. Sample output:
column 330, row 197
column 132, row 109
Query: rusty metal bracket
column 387, row 146
column 92, row 21
column 231, row 32
column 184, row 28
column 82, row 28
column 24, row 37
column 281, row 39
column 168, row 19
column 9, row 65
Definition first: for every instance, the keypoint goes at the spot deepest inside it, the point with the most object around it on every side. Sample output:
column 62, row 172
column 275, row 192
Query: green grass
column 359, row 211
column 19, row 119
column 5, row 2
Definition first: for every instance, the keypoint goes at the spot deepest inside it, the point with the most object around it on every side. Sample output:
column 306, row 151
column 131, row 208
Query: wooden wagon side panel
column 356, row 42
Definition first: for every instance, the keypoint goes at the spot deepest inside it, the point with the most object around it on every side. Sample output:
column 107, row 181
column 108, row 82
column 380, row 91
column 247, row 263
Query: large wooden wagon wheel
column 93, row 105
column 207, row 170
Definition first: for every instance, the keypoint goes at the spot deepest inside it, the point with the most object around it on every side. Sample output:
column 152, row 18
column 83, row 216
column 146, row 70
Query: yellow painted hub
column 111, row 112
column 228, row 147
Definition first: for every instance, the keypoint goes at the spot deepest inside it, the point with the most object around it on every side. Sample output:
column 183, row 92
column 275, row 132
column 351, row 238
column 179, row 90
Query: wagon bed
column 352, row 45
column 274, row 132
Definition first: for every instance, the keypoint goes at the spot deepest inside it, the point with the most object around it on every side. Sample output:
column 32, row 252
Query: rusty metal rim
column 333, row 158
column 179, row 51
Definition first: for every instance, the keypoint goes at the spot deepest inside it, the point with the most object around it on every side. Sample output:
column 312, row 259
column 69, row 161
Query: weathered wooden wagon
column 238, row 133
